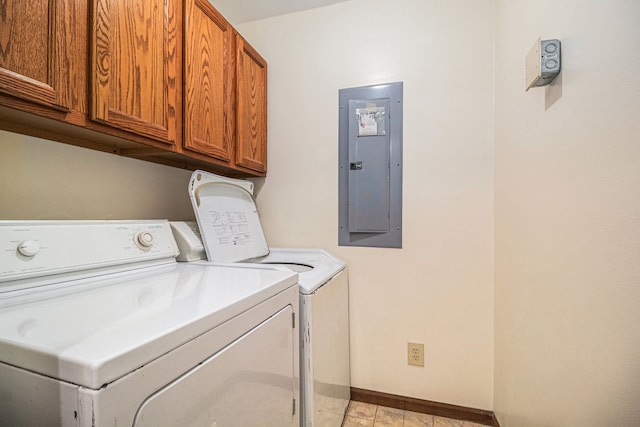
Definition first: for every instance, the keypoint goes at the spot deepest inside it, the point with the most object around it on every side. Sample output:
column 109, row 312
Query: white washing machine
column 229, row 232
column 99, row 326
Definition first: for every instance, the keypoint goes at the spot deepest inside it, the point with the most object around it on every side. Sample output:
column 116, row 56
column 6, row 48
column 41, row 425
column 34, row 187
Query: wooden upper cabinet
column 37, row 51
column 251, row 106
column 135, row 66
column 208, row 82
column 170, row 81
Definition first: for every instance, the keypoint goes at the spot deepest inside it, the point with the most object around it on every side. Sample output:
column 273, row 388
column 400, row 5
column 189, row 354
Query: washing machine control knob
column 144, row 239
column 29, row 248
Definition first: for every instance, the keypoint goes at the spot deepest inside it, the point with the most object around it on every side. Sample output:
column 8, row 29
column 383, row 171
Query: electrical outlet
column 415, row 354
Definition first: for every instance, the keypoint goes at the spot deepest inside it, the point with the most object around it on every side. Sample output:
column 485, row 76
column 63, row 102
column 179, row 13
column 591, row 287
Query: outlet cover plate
column 415, row 354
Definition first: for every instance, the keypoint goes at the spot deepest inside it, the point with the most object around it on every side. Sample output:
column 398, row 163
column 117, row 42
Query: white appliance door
column 251, row 382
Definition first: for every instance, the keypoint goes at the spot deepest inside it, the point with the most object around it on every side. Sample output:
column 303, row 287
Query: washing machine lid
column 227, row 217
column 315, row 267
column 91, row 332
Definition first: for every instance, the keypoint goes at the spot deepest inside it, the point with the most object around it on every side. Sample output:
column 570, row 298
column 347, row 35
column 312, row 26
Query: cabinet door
column 135, row 66
column 251, row 104
column 37, row 49
column 208, row 81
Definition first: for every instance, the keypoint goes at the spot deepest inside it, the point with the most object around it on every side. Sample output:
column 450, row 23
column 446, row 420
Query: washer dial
column 144, row 239
column 29, row 248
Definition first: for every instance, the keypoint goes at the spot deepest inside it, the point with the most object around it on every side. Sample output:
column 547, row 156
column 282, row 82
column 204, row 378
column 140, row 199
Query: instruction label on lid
column 231, row 228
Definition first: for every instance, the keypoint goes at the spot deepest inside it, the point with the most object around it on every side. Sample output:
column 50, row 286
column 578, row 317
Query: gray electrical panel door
column 368, row 168
column 370, row 184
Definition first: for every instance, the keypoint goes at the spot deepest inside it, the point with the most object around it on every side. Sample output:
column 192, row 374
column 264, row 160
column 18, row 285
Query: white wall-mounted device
column 542, row 63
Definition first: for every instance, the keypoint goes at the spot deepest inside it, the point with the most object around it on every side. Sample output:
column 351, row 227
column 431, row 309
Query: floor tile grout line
column 376, row 413
column 376, row 416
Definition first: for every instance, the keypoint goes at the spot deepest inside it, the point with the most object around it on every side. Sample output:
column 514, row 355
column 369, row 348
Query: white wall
column 567, row 205
column 567, row 215
column 42, row 179
column 437, row 289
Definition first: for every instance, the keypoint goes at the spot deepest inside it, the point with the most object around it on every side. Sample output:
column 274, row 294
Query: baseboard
column 479, row 416
column 495, row 421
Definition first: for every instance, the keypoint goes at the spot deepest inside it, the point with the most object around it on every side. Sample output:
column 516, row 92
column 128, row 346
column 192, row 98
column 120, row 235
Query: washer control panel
column 41, row 248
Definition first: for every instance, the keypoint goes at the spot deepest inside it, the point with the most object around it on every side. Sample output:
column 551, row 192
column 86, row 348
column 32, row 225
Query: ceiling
column 239, row 11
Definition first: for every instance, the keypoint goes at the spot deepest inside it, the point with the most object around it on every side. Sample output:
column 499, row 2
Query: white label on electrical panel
column 370, row 120
column 367, row 124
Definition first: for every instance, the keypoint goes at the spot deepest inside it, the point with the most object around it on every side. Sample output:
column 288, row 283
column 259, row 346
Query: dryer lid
column 227, row 217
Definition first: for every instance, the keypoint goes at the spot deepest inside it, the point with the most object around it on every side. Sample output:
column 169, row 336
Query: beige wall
column 42, row 179
column 567, row 217
column 437, row 289
column 567, row 234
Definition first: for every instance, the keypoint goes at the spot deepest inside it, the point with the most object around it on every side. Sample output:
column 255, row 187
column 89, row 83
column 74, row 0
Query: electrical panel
column 370, row 160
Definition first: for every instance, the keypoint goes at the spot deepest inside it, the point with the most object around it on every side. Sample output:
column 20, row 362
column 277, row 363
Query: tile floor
column 368, row 415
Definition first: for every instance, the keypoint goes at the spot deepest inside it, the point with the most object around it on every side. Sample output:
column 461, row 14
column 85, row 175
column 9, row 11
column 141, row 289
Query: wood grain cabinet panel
column 108, row 75
column 38, row 50
column 208, row 82
column 135, row 66
column 251, row 105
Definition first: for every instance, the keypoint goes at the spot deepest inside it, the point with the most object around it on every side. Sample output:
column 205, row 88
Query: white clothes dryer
column 99, row 326
column 229, row 232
